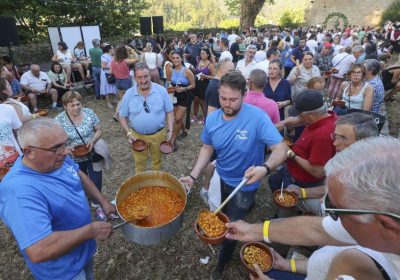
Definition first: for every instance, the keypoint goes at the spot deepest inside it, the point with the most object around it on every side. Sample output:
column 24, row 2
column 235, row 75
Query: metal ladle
column 145, row 213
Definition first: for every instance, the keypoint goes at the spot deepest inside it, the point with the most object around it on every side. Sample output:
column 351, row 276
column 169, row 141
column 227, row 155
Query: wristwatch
column 268, row 168
column 291, row 155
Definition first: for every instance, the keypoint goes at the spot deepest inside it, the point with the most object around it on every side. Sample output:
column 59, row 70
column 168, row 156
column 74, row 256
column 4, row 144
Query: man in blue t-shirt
column 238, row 133
column 43, row 202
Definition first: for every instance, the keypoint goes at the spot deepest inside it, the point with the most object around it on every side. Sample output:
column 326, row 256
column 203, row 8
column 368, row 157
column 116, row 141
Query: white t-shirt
column 8, row 121
column 260, row 56
column 226, row 55
column 151, row 59
column 232, row 39
column 342, row 62
column 312, row 45
column 263, row 65
column 336, row 230
column 37, row 83
column 245, row 69
column 66, row 58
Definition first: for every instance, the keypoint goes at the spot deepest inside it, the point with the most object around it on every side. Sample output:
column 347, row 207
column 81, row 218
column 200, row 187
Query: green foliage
column 117, row 17
column 181, row 15
column 230, row 23
column 391, row 13
column 233, row 6
column 292, row 18
column 337, row 17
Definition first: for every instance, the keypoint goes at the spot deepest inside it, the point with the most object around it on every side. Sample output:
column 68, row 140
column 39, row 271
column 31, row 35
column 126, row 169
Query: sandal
column 183, row 135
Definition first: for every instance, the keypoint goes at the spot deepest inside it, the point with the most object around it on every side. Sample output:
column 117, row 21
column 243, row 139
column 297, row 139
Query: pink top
column 259, row 100
column 120, row 70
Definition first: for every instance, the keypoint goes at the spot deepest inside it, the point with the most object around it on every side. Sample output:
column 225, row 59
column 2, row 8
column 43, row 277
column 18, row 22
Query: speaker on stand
column 8, row 34
column 158, row 24
column 145, row 25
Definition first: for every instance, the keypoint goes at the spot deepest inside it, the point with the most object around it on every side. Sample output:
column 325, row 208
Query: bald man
column 36, row 83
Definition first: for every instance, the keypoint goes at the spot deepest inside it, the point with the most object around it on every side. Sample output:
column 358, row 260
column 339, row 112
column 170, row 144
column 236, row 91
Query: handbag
column 110, row 78
column 93, row 156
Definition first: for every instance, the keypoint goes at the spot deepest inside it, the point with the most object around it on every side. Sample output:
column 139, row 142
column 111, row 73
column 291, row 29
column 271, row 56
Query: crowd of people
column 302, row 107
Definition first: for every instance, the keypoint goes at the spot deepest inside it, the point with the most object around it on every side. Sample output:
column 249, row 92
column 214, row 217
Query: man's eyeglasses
column 146, row 107
column 334, row 212
column 338, row 137
column 57, row 149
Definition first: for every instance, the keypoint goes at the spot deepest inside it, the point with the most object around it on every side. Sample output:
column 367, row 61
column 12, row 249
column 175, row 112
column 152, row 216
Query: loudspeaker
column 8, row 32
column 145, row 25
column 158, row 24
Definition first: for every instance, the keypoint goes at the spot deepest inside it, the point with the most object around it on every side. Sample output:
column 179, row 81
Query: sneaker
column 204, row 195
column 218, row 272
column 194, row 119
column 183, row 135
column 201, row 121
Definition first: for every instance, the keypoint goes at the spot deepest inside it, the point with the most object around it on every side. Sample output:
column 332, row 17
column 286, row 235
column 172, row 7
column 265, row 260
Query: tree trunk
column 248, row 12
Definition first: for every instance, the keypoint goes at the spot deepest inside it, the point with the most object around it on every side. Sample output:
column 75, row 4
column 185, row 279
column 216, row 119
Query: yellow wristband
column 129, row 133
column 303, row 193
column 266, row 231
column 293, row 265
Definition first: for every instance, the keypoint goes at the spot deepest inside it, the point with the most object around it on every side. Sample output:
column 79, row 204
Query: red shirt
column 315, row 145
column 120, row 70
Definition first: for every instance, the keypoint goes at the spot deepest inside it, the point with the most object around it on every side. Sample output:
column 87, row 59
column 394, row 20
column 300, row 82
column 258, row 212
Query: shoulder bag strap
column 80, row 136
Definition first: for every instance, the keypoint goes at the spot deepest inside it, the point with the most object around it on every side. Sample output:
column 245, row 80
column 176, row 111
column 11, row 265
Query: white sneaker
column 204, row 195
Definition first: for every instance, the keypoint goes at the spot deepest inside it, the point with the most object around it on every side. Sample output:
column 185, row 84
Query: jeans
column 284, row 275
column 123, row 84
column 96, row 71
column 235, row 209
column 96, row 176
column 87, row 272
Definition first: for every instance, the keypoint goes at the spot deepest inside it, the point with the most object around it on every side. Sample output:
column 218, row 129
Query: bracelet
column 303, row 193
column 191, row 177
column 266, row 231
column 268, row 169
column 129, row 133
column 293, row 265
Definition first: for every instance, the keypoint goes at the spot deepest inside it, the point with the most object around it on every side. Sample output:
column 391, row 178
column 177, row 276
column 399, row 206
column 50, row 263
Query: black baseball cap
column 307, row 100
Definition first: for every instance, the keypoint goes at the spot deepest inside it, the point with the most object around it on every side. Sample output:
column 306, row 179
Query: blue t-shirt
column 158, row 102
column 240, row 142
column 34, row 205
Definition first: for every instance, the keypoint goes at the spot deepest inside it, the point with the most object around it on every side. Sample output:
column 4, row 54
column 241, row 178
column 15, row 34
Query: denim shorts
column 123, row 84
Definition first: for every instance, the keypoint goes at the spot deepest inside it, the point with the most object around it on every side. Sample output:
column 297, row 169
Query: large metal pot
column 151, row 235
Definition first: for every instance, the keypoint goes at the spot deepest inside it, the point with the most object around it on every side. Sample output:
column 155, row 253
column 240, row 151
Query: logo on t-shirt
column 72, row 171
column 241, row 134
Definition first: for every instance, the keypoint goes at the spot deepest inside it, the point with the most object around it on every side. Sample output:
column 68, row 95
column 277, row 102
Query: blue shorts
column 123, row 84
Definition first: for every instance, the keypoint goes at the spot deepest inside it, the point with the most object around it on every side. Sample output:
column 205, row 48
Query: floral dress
column 85, row 128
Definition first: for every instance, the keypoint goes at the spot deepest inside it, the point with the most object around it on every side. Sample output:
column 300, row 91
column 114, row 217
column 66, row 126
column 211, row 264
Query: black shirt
column 212, row 95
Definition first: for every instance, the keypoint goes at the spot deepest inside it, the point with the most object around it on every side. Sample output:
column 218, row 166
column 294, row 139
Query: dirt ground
column 179, row 258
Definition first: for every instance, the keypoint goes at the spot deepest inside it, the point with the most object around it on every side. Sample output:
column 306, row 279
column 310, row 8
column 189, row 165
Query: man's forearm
column 315, row 192
column 124, row 124
column 278, row 155
column 301, row 231
column 202, row 161
column 170, row 119
column 58, row 244
column 315, row 170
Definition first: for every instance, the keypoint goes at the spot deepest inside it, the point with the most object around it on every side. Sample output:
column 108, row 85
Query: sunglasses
column 146, row 107
column 334, row 212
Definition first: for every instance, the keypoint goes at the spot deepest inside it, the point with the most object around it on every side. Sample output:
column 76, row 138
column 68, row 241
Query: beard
column 229, row 112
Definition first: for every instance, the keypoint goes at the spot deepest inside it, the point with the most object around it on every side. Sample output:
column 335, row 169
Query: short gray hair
column 29, row 134
column 372, row 65
column 363, row 125
column 357, row 48
column 258, row 78
column 369, row 172
column 96, row 43
column 140, row 66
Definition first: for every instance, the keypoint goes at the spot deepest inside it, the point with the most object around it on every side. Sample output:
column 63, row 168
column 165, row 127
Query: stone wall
column 33, row 53
column 365, row 12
